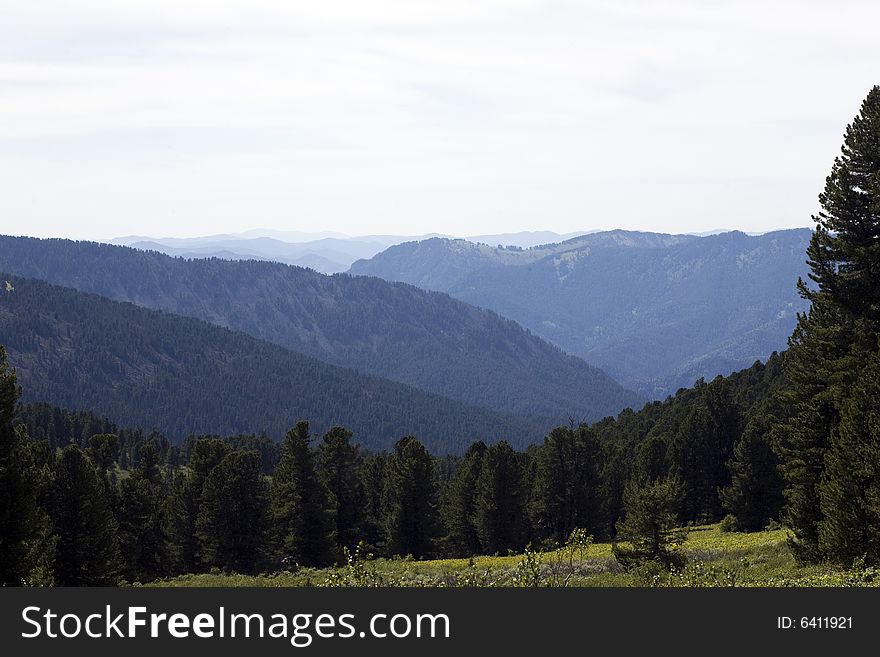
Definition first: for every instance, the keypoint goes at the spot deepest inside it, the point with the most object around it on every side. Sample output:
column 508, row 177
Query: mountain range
column 181, row 376
column 395, row 331
column 656, row 311
column 326, row 252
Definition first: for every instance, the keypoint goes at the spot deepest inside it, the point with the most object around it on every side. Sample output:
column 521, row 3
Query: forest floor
column 714, row 558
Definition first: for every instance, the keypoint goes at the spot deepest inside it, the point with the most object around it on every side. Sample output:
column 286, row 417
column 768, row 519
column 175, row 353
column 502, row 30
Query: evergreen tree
column 567, row 489
column 184, row 502
column 24, row 526
column 88, row 544
column 850, row 488
column 338, row 466
column 410, row 499
column 103, row 450
column 845, row 249
column 815, row 354
column 142, row 519
column 834, row 340
column 372, row 476
column 458, row 503
column 299, row 508
column 700, row 450
column 232, row 523
column 617, row 469
column 754, row 496
column 499, row 504
column 651, row 461
column 181, row 512
column 650, row 524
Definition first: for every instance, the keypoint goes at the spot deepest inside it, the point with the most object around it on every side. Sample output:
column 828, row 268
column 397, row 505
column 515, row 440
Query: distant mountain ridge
column 328, row 255
column 326, row 252
column 391, row 330
column 657, row 311
column 181, row 375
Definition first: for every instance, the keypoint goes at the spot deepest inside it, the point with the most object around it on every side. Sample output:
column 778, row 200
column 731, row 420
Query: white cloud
column 191, row 117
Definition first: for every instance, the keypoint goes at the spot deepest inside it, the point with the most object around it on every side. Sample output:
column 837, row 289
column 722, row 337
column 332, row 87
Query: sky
column 192, row 117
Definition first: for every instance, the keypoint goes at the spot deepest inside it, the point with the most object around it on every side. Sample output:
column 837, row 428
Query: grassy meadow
column 714, row 558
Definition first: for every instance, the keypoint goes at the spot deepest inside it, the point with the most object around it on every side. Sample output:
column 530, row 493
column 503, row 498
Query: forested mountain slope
column 656, row 311
column 392, row 330
column 179, row 375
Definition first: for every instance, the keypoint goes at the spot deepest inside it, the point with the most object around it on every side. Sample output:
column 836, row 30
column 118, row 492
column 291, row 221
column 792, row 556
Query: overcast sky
column 181, row 117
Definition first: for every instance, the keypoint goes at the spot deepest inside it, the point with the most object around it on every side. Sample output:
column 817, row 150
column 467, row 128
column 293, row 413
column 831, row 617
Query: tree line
column 96, row 504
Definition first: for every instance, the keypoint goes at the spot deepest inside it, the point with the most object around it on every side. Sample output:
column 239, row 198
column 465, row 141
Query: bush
column 649, row 527
column 729, row 523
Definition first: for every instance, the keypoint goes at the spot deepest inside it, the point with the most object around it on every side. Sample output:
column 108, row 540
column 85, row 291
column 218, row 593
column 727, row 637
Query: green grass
column 715, row 558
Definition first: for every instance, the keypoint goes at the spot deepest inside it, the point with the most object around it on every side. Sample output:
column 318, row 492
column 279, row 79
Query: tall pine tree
column 141, row 516
column 26, row 546
column 184, row 501
column 458, row 503
column 567, row 488
column 499, row 504
column 754, row 495
column 338, row 467
column 850, row 489
column 410, row 499
column 300, row 517
column 88, row 542
column 833, row 341
column 372, row 474
column 232, row 524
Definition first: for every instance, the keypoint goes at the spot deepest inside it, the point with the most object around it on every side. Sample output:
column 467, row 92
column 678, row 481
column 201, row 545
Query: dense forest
column 391, row 330
column 794, row 440
column 180, row 375
column 247, row 504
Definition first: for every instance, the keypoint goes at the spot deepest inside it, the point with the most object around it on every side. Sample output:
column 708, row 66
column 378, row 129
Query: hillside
column 179, row 375
column 656, row 311
column 424, row 339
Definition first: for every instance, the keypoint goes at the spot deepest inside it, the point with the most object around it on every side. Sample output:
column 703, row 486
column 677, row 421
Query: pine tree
column 651, row 461
column 845, row 249
column 142, row 520
column 567, row 488
column 499, row 504
column 850, row 489
column 701, row 448
column 338, row 468
column 458, row 503
column 181, row 511
column 814, row 357
column 26, row 543
column 300, row 518
column 410, row 499
column 103, row 450
column 88, row 543
column 834, row 340
column 650, row 524
column 372, row 476
column 754, row 496
column 183, row 503
column 232, row 523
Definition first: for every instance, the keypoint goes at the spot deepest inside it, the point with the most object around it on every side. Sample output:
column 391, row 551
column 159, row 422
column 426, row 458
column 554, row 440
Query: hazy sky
column 191, row 117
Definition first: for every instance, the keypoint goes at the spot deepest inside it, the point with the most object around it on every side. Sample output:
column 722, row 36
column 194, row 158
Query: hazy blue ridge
column 179, row 375
column 395, row 331
column 655, row 311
